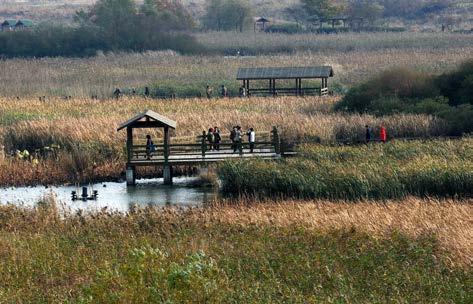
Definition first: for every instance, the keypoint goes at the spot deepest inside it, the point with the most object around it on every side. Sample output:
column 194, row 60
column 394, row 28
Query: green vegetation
column 448, row 96
column 227, row 15
column 110, row 25
column 186, row 257
column 379, row 171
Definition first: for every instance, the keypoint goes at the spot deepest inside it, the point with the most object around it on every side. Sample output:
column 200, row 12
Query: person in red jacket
column 382, row 134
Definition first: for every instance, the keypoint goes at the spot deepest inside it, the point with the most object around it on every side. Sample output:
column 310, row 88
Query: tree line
column 122, row 25
column 109, row 25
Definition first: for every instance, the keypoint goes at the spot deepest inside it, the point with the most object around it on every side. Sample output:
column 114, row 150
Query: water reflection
column 115, row 196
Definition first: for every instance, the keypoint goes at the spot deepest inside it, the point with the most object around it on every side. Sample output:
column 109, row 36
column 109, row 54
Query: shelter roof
column 149, row 115
column 24, row 22
column 285, row 72
column 262, row 19
column 9, row 22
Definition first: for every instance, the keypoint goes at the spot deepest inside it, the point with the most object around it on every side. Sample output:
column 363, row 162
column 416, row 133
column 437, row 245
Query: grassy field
column 354, row 57
column 297, row 252
column 86, row 129
column 395, row 169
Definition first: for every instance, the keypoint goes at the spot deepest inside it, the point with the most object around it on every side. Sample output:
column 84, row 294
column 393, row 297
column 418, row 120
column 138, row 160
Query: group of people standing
column 242, row 92
column 369, row 134
column 213, row 138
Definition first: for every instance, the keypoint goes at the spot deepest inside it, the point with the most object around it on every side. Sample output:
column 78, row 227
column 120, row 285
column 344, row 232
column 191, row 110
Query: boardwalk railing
column 203, row 151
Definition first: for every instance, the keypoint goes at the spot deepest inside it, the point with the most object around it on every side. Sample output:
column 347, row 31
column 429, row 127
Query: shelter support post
column 130, row 175
column 167, row 174
column 167, row 170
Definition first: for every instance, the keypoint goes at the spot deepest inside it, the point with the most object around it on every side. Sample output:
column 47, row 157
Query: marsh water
column 115, row 196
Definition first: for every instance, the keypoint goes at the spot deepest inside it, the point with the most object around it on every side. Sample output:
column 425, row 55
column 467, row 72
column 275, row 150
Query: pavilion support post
column 130, row 175
column 248, row 88
column 167, row 174
column 167, row 170
column 129, row 143
column 130, row 170
column 274, row 87
column 300, row 87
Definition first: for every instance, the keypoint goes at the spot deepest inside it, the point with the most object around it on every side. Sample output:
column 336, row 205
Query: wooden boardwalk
column 167, row 154
column 195, row 154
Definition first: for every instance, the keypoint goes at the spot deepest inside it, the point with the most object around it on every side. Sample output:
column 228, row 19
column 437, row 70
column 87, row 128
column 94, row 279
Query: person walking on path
column 149, row 146
column 117, row 93
column 208, row 91
column 368, row 134
column 238, row 140
column 217, row 139
column 242, row 92
column 210, row 138
column 232, row 138
column 224, row 91
column 251, row 139
column 382, row 134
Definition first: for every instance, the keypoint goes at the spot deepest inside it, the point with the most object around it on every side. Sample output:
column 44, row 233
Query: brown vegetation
column 83, row 126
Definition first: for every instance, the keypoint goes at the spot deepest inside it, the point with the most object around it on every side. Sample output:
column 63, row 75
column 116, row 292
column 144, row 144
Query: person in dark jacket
column 149, row 146
column 368, row 134
column 217, row 138
column 210, row 138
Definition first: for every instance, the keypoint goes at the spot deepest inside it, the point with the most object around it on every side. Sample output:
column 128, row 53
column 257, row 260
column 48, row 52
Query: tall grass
column 392, row 170
column 89, row 127
column 354, row 58
column 416, row 251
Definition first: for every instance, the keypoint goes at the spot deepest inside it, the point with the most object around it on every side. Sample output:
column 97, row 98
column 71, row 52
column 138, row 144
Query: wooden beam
column 166, row 144
column 129, row 142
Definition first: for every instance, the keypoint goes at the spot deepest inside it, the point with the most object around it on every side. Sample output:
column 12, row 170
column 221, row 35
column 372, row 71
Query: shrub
column 398, row 83
column 457, row 86
column 392, row 170
column 286, row 28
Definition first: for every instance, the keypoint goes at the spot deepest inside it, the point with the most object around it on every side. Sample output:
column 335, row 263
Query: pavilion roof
column 285, row 72
column 149, row 116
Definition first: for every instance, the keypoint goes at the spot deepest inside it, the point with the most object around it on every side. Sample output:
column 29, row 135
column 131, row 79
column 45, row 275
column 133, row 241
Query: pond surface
column 115, row 196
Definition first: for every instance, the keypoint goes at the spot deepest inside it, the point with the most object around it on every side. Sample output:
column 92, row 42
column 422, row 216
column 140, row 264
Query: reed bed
column 86, row 132
column 379, row 171
column 100, row 75
column 299, row 252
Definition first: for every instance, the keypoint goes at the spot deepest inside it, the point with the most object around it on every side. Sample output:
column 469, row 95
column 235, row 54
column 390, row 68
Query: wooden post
column 203, row 145
column 130, row 170
column 276, row 140
column 167, row 172
column 130, row 175
column 129, row 143
column 274, row 87
column 248, row 88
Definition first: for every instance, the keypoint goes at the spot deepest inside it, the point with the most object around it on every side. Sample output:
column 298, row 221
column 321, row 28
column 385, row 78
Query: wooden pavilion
column 147, row 119
column 297, row 74
column 260, row 24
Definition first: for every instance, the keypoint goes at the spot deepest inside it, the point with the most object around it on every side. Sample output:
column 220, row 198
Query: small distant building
column 16, row 25
column 8, row 25
column 260, row 24
column 24, row 24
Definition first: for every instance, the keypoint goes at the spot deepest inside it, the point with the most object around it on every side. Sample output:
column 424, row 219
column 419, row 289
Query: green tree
column 117, row 19
column 321, row 8
column 367, row 9
column 227, row 15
